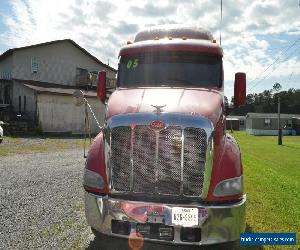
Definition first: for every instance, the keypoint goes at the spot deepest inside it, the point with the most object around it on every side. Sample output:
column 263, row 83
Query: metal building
column 267, row 124
column 37, row 82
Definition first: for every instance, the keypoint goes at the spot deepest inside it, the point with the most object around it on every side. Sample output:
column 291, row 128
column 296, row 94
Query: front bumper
column 218, row 223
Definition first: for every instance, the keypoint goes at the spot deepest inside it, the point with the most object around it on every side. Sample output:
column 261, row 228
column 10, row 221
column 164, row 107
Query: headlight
column 229, row 187
column 92, row 179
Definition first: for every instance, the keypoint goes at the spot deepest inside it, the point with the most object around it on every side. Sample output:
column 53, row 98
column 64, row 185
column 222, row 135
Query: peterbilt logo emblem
column 157, row 125
column 158, row 109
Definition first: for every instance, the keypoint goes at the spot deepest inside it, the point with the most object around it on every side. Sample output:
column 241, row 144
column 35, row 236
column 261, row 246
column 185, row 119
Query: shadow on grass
column 289, row 146
column 249, row 230
column 112, row 243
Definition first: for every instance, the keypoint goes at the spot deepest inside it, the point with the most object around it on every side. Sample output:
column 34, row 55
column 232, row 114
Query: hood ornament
column 158, row 108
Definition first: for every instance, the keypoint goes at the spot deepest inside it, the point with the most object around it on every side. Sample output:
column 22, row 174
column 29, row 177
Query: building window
column 111, row 83
column 34, row 64
column 93, row 77
column 82, row 76
column 242, row 122
column 7, row 94
column 267, row 122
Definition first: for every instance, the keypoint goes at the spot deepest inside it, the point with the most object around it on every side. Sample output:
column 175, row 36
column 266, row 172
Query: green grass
column 25, row 145
column 271, row 177
column 272, row 183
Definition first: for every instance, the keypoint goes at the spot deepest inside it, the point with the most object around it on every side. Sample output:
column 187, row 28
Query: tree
column 276, row 87
column 226, row 102
column 267, row 102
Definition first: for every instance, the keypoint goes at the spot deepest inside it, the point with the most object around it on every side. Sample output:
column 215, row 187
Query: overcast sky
column 261, row 38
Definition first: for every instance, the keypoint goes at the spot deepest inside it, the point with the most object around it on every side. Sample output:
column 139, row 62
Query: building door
column 7, row 94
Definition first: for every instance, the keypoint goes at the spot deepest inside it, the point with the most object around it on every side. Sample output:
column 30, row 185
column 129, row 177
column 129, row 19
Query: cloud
column 103, row 9
column 151, row 10
column 76, row 17
column 123, row 28
column 254, row 33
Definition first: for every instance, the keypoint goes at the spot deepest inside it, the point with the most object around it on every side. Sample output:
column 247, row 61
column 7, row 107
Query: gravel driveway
column 41, row 204
column 41, row 201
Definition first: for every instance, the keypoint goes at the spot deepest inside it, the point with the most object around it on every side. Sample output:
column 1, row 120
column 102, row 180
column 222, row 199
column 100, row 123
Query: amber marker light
column 135, row 241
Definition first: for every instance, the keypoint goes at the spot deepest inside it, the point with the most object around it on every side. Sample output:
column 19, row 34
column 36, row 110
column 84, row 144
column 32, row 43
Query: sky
column 260, row 38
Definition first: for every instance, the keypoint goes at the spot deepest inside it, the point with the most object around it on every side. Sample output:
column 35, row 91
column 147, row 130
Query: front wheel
column 97, row 233
column 102, row 241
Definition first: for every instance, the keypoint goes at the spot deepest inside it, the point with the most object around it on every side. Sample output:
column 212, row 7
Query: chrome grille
column 170, row 161
column 143, row 159
column 194, row 161
column 120, row 158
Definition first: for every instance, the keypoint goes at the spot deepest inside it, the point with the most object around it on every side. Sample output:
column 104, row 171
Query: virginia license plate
column 185, row 216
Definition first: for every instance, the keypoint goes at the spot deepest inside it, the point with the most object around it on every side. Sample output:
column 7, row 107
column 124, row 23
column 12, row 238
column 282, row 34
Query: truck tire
column 97, row 233
column 234, row 245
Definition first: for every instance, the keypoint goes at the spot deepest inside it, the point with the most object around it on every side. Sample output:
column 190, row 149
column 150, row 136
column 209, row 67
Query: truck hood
column 198, row 102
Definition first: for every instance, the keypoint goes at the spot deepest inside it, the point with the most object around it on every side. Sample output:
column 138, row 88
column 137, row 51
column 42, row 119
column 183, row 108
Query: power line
column 292, row 73
column 276, row 61
column 279, row 48
column 268, row 75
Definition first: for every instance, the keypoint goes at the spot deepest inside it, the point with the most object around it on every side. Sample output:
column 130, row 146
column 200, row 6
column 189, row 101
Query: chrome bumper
column 218, row 223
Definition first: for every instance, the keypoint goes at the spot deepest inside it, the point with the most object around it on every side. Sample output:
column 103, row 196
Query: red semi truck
column 163, row 167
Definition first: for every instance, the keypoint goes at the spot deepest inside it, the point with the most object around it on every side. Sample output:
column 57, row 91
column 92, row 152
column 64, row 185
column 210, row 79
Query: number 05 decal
column 131, row 64
column 135, row 63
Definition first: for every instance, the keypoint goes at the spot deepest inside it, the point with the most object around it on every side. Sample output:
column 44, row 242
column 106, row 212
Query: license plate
column 184, row 216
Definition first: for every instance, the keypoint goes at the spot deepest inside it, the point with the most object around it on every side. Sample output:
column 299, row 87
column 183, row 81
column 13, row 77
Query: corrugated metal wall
column 57, row 63
column 19, row 90
column 57, row 113
column 6, row 68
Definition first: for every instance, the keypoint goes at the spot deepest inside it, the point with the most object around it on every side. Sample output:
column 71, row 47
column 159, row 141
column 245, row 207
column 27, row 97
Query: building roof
column 271, row 115
column 50, row 88
column 10, row 51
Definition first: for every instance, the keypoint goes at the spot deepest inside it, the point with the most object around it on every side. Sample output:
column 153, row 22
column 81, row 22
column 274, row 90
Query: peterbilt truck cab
column 163, row 167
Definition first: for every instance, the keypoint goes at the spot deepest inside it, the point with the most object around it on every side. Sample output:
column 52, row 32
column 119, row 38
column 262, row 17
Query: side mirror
column 101, row 86
column 240, row 89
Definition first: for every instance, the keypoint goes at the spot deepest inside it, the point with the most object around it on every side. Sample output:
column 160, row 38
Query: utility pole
column 279, row 126
column 221, row 10
column 277, row 88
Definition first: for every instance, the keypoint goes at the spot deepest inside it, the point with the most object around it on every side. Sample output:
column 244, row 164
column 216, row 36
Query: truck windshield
column 172, row 69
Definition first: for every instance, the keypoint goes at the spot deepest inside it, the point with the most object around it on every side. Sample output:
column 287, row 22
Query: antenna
column 221, row 21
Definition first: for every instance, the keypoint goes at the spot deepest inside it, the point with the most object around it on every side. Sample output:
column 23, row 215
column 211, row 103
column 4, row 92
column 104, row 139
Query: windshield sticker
column 131, row 64
column 135, row 63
